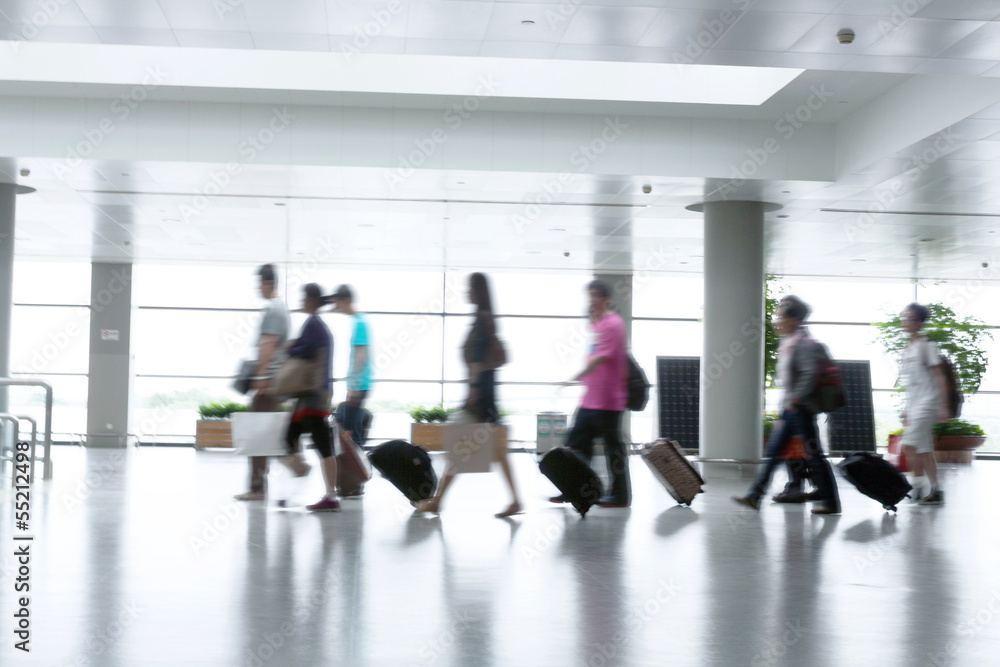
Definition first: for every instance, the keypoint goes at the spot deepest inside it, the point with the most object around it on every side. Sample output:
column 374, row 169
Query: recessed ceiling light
column 682, row 262
column 859, row 260
column 527, row 22
column 171, row 220
column 460, row 183
column 786, row 192
column 927, row 240
column 366, row 249
column 366, row 224
column 557, row 229
column 783, row 215
column 126, row 243
column 534, row 252
column 279, row 203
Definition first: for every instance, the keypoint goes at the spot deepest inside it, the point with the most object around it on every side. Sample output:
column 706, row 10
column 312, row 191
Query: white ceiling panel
column 763, row 31
column 983, row 44
column 621, row 26
column 137, row 36
column 135, row 14
column 198, row 15
column 214, row 39
column 435, row 19
column 922, row 37
column 307, row 17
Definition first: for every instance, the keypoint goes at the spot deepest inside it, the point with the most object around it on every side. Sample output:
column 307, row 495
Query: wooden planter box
column 429, row 437
column 947, row 449
column 213, row 433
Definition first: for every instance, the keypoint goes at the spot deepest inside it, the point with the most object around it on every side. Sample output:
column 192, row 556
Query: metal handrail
column 16, row 420
column 6, row 417
column 17, row 382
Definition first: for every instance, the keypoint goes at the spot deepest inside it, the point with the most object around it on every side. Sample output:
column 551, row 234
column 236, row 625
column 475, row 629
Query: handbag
column 244, row 376
column 299, row 376
column 497, row 355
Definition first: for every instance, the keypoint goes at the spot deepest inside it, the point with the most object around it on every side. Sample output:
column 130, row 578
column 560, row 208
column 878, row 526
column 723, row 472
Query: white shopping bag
column 260, row 433
column 470, row 447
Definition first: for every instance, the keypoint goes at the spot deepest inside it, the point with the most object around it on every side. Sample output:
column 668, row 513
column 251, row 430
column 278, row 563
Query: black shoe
column 826, row 509
column 790, row 497
column 353, row 493
column 752, row 502
column 611, row 501
column 558, row 499
column 813, row 496
column 935, row 497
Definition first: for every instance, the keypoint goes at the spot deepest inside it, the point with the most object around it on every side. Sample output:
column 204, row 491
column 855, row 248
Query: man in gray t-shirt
column 271, row 339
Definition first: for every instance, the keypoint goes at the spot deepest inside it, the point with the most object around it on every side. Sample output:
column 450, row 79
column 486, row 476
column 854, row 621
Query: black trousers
column 590, row 424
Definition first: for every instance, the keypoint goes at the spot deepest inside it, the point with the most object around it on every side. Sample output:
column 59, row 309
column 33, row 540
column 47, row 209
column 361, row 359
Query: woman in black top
column 480, row 355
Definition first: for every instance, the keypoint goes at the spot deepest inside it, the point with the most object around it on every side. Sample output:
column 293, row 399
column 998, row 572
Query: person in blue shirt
column 359, row 372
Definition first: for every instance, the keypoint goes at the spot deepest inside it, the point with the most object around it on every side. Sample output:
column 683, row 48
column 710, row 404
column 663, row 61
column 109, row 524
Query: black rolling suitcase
column 407, row 466
column 876, row 478
column 573, row 477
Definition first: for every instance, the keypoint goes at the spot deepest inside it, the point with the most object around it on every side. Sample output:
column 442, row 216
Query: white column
column 8, row 194
column 732, row 362
column 110, row 378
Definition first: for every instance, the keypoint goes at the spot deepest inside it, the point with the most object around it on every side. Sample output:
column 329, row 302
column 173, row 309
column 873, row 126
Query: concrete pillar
column 110, row 383
column 8, row 194
column 732, row 362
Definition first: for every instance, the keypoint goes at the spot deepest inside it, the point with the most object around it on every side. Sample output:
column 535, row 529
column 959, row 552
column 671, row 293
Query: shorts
column 919, row 432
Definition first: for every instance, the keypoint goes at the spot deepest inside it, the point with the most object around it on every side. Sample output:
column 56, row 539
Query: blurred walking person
column 799, row 358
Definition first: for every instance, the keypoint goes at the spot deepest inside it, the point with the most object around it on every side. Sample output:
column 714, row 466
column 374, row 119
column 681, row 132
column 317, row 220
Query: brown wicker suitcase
column 675, row 472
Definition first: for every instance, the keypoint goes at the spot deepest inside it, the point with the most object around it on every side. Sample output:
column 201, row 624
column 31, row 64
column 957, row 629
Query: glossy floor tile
column 140, row 557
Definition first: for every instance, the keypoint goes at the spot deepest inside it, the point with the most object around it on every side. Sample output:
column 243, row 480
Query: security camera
column 25, row 172
column 647, row 188
column 845, row 36
column 986, row 265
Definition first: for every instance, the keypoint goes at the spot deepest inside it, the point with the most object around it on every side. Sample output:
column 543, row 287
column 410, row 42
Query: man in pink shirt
column 605, row 379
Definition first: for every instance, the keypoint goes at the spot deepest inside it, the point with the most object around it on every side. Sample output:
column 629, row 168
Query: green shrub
column 433, row 415
column 220, row 409
column 951, row 427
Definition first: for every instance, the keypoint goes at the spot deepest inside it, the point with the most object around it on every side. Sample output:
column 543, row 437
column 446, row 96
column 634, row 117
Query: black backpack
column 955, row 397
column 638, row 387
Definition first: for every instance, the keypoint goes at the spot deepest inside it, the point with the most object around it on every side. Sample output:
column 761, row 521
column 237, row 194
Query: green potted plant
column 214, row 429
column 963, row 341
column 425, row 430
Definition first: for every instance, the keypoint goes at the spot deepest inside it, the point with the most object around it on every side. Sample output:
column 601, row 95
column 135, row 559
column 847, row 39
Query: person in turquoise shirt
column 359, row 372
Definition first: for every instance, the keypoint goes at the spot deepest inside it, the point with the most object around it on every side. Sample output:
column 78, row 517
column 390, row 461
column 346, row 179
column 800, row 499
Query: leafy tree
column 962, row 340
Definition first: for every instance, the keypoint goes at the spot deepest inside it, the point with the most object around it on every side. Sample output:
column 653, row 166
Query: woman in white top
column 926, row 402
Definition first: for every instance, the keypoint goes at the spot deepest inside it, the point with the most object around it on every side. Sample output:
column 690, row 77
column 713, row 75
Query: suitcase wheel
column 890, row 508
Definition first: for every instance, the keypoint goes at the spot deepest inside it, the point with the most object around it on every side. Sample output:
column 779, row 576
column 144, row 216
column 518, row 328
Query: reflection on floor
column 141, row 558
